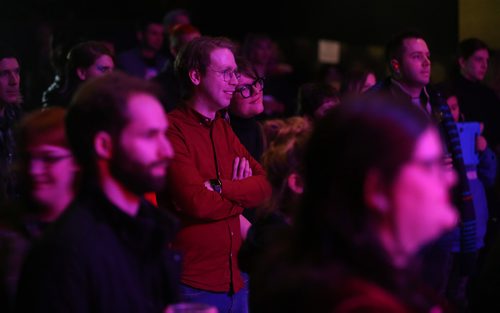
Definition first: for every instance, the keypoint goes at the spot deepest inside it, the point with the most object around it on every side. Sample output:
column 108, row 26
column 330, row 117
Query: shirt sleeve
column 187, row 190
column 252, row 191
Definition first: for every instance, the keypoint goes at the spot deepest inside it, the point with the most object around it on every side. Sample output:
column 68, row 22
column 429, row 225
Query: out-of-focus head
column 316, row 99
column 409, row 59
column 259, row 49
column 175, row 17
column 374, row 172
column 357, row 82
column 473, row 58
column 47, row 168
column 452, row 102
column 247, row 100
column 206, row 66
column 180, row 35
column 150, row 32
column 283, row 162
column 10, row 92
column 88, row 60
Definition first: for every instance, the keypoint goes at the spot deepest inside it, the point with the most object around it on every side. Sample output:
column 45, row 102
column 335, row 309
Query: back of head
column 45, row 127
column 313, row 95
column 101, row 104
column 369, row 133
column 469, row 46
column 181, row 34
column 174, row 17
column 282, row 158
column 196, row 55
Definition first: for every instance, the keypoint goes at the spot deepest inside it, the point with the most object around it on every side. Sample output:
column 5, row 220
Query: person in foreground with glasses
column 376, row 190
column 212, row 177
column 48, row 174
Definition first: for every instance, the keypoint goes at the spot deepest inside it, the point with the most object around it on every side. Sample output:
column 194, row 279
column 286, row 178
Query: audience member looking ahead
column 375, row 192
column 85, row 60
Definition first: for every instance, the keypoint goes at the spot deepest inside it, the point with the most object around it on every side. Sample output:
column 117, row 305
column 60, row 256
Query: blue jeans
column 225, row 302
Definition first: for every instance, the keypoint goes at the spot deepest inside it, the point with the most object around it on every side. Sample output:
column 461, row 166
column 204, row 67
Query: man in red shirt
column 212, row 177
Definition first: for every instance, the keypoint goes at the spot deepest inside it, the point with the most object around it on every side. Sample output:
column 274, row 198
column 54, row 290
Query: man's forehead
column 222, row 57
column 414, row 44
column 8, row 63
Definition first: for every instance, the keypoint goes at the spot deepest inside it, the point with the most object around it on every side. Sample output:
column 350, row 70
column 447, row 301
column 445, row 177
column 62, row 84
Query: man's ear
column 295, row 183
column 395, row 66
column 375, row 194
column 195, row 76
column 461, row 62
column 103, row 145
column 81, row 73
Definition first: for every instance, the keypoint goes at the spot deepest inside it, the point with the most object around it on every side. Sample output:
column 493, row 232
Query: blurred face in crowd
column 474, row 67
column 247, row 100
column 414, row 68
column 219, row 82
column 152, row 37
column 9, row 81
column 52, row 170
column 143, row 151
column 103, row 64
column 262, row 52
column 420, row 196
column 454, row 108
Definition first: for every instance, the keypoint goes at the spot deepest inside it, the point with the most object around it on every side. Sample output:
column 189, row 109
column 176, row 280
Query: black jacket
column 96, row 258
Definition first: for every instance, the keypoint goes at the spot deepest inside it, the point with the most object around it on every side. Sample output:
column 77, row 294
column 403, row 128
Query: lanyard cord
column 215, row 154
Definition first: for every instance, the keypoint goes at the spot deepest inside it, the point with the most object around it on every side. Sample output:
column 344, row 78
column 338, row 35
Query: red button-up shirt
column 210, row 235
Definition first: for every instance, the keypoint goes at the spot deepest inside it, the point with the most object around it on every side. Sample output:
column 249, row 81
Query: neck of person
column 52, row 211
column 116, row 192
column 203, row 106
column 394, row 248
column 412, row 89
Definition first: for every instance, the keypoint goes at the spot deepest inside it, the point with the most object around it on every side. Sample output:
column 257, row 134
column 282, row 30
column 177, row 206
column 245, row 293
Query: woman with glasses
column 375, row 192
column 47, row 173
column 246, row 104
column 84, row 61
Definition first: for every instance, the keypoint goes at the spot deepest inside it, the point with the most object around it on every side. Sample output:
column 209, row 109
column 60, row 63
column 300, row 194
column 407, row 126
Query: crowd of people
column 208, row 173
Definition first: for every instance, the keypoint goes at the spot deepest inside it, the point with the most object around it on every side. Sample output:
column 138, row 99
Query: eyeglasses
column 48, row 159
column 228, row 74
column 246, row 91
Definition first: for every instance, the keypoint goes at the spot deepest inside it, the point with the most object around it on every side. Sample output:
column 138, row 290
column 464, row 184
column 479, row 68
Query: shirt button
column 232, row 234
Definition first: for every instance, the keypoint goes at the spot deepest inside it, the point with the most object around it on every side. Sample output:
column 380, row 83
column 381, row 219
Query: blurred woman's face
column 247, row 99
column 420, row 196
column 51, row 171
column 102, row 65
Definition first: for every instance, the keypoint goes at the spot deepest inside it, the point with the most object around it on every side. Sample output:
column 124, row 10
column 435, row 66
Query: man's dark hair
column 469, row 46
column 311, row 97
column 394, row 48
column 147, row 19
column 196, row 55
column 101, row 104
column 7, row 52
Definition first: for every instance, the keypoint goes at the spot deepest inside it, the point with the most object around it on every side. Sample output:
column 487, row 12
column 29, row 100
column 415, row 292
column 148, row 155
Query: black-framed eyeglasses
column 246, row 91
column 228, row 74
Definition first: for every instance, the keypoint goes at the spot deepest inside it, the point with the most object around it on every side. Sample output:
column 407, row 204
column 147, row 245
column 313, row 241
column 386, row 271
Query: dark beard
column 135, row 176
